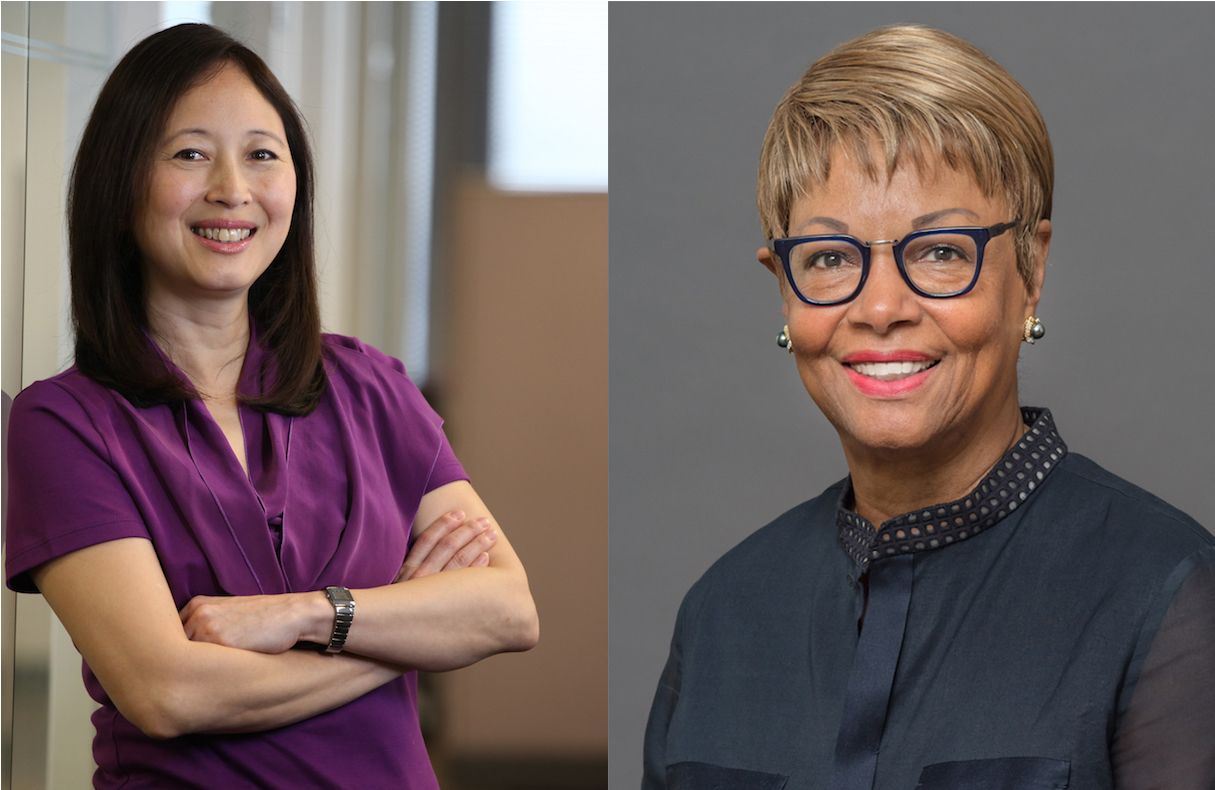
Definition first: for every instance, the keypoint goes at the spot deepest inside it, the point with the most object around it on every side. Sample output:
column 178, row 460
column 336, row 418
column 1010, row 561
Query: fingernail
column 492, row 535
column 456, row 515
column 482, row 523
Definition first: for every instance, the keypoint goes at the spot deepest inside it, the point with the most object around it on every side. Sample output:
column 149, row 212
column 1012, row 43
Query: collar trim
column 1007, row 486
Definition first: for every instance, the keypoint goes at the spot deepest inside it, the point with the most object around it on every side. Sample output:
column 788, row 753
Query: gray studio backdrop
column 712, row 434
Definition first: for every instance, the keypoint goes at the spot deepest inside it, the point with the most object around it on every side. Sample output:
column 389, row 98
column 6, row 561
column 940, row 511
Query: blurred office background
column 462, row 226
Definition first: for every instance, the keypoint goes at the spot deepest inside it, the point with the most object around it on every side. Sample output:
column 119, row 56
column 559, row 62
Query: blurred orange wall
column 522, row 372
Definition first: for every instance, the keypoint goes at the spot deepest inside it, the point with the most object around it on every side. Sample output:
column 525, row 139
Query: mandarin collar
column 1008, row 485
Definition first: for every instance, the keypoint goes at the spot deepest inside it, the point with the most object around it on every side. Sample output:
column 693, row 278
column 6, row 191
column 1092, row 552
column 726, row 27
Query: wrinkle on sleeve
column 1163, row 737
column 64, row 493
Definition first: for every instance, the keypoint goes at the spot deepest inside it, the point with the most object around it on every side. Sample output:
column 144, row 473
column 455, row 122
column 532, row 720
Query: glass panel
column 826, row 270
column 548, row 97
column 941, row 263
column 21, row 675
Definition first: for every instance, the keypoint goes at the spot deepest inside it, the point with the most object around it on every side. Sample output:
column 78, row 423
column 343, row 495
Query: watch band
column 343, row 616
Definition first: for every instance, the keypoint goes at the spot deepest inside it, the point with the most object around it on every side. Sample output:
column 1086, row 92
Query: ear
column 768, row 258
column 765, row 256
column 1039, row 249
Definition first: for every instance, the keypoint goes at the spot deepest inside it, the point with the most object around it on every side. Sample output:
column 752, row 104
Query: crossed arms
column 226, row 664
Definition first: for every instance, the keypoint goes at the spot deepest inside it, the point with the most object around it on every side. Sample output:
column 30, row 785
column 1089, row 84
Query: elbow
column 524, row 626
column 159, row 728
column 162, row 710
column 154, row 715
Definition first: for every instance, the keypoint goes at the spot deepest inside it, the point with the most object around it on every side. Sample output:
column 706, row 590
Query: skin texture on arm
column 115, row 603
column 432, row 622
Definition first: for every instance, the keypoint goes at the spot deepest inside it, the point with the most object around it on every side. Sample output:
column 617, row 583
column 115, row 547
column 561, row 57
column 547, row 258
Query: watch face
column 339, row 595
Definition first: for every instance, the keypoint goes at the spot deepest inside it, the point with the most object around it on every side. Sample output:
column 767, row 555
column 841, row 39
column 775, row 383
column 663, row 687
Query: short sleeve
column 63, row 492
column 1164, row 737
column 448, row 468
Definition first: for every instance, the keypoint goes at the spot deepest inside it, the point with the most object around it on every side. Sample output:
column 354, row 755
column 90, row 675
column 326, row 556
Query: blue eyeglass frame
column 981, row 236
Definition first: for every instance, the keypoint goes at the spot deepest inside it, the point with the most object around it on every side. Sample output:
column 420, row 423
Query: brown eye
column 945, row 254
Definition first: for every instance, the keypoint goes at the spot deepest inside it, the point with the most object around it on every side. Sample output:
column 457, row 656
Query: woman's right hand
column 449, row 543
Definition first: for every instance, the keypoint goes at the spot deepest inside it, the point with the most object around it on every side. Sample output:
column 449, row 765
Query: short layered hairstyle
column 108, row 186
column 913, row 96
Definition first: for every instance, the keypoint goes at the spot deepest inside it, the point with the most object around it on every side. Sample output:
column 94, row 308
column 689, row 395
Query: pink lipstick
column 888, row 374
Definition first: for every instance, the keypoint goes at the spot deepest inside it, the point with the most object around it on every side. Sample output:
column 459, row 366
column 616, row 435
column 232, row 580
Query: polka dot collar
column 1005, row 488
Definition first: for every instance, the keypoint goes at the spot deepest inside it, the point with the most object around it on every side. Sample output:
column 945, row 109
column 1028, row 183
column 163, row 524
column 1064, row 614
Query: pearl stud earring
column 1034, row 330
column 783, row 340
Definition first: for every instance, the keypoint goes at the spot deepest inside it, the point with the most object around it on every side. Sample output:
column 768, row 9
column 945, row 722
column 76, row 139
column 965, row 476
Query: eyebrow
column 205, row 133
column 931, row 219
column 832, row 223
column 919, row 222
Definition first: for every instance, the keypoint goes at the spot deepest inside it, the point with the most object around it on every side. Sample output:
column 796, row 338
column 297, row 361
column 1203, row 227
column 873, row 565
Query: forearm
column 212, row 688
column 116, row 605
column 433, row 620
column 440, row 622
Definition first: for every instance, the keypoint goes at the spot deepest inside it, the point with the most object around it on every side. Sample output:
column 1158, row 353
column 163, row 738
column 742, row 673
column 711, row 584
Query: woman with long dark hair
column 218, row 500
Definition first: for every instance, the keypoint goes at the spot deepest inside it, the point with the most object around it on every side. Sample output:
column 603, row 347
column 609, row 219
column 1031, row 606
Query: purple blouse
column 329, row 499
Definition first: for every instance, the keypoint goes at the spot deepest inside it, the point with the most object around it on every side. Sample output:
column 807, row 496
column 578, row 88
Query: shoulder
column 70, row 386
column 360, row 370
column 1123, row 512
column 1131, row 547
column 70, row 399
column 365, row 381
column 797, row 545
column 351, row 357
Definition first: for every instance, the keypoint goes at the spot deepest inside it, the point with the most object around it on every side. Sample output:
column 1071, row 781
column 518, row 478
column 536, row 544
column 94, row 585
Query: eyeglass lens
column 940, row 264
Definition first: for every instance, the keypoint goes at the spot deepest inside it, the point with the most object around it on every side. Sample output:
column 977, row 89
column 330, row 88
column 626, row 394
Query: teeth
column 887, row 371
column 223, row 234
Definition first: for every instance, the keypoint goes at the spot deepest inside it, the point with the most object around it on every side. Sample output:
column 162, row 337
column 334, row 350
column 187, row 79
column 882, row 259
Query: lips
column 225, row 234
column 887, row 374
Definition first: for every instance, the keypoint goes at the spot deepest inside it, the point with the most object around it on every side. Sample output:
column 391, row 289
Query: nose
column 227, row 185
column 886, row 302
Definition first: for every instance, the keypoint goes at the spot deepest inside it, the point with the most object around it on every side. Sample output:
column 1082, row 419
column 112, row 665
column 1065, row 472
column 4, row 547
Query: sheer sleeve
column 663, row 708
column 1165, row 736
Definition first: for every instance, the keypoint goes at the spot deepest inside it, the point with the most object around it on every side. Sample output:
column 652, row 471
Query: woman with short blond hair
column 975, row 605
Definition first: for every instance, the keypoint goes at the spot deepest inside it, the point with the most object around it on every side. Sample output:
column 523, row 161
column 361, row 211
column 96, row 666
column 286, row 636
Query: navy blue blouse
column 1055, row 628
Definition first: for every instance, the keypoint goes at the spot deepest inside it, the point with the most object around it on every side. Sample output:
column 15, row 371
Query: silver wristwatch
column 343, row 616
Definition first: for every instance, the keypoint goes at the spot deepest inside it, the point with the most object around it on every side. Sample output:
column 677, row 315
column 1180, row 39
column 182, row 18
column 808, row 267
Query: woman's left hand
column 449, row 543
column 265, row 623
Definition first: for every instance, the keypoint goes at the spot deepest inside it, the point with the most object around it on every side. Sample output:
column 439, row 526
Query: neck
column 207, row 342
column 888, row 484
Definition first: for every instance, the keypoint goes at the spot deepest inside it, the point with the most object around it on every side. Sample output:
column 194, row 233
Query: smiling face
column 220, row 194
column 891, row 370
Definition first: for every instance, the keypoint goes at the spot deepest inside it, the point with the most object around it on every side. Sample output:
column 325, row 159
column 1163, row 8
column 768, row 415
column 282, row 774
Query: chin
column 886, row 429
column 890, row 441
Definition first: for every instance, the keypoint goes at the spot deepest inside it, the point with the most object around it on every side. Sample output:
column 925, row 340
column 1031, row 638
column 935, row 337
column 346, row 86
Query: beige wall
column 522, row 378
